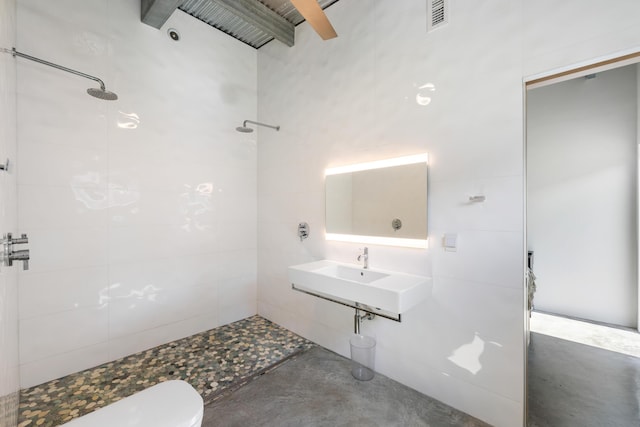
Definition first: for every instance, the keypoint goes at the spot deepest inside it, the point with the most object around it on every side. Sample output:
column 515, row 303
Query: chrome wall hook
column 5, row 167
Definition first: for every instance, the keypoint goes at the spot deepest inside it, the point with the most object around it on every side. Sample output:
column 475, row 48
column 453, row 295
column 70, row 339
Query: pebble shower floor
column 212, row 362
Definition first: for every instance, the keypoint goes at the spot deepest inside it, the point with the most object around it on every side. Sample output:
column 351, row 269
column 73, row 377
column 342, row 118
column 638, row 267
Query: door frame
column 557, row 75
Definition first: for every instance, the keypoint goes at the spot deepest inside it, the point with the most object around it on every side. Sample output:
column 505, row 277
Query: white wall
column 581, row 196
column 141, row 213
column 353, row 99
column 9, row 374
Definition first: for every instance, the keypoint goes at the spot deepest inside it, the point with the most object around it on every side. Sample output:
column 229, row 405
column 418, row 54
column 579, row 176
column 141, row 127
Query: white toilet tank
column 168, row 404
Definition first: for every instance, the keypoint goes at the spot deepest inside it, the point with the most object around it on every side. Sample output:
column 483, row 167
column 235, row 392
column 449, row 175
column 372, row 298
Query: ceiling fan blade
column 315, row 16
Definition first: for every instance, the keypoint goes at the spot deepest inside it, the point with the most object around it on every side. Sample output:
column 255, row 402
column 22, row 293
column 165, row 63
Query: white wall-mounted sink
column 385, row 290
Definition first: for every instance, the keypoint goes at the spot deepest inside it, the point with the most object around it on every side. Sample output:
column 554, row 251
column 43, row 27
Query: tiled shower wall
column 9, row 380
column 141, row 213
column 386, row 88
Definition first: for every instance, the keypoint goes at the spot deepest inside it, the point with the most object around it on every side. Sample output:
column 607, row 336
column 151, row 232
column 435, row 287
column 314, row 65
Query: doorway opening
column 581, row 199
column 582, row 176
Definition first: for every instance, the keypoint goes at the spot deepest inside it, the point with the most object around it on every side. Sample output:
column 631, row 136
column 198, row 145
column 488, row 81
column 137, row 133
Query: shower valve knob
column 9, row 255
column 20, row 240
column 303, row 231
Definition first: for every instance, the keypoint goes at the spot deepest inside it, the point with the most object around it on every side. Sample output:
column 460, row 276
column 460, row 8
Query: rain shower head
column 101, row 93
column 245, row 129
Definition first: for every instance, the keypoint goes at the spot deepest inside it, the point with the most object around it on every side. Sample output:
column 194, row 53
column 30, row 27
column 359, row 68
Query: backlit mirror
column 382, row 202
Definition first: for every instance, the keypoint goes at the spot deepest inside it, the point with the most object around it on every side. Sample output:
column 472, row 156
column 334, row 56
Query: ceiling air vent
column 437, row 14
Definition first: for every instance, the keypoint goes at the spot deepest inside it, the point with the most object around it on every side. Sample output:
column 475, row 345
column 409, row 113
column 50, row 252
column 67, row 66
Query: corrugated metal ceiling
column 225, row 21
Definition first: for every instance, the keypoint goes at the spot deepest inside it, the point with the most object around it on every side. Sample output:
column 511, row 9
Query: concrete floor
column 572, row 384
column 608, row 337
column 316, row 389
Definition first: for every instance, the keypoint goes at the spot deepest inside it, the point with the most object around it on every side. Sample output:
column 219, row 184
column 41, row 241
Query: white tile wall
column 141, row 213
column 52, row 292
column 61, row 364
column 45, row 336
column 568, row 36
column 9, row 372
column 353, row 99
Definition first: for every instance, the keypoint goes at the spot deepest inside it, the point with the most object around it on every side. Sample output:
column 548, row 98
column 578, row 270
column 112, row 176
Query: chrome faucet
column 364, row 257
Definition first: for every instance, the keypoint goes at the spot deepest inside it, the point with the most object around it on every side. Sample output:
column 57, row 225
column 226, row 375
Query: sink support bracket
column 369, row 311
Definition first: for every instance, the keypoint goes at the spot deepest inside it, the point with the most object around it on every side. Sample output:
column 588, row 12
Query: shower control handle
column 9, row 255
column 21, row 240
column 21, row 255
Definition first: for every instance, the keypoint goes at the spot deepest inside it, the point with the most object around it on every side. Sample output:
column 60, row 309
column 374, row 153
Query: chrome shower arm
column 101, row 93
column 244, row 124
column 14, row 52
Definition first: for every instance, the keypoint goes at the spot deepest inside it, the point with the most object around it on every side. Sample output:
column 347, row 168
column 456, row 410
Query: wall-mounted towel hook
column 477, row 199
column 5, row 167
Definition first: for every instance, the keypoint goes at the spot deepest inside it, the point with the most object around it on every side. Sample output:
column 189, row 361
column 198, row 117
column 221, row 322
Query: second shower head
column 245, row 129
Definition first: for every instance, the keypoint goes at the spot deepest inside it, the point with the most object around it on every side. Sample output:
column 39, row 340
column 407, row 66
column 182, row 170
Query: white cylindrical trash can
column 363, row 354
